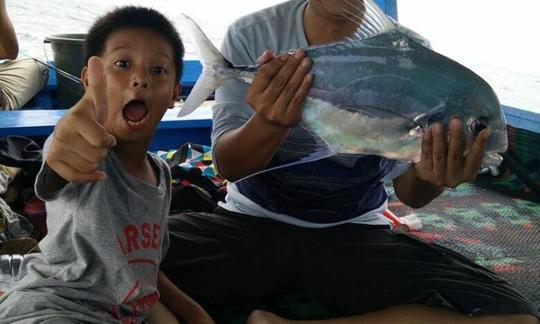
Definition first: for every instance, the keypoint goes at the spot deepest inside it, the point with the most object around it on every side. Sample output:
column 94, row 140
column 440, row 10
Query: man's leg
column 20, row 80
column 229, row 259
column 384, row 274
column 404, row 314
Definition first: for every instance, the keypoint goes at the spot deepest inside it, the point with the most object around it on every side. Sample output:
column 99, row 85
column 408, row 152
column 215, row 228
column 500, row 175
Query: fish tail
column 210, row 78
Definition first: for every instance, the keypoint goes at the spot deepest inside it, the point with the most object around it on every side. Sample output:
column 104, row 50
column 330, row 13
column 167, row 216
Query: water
column 34, row 20
column 496, row 39
column 511, row 70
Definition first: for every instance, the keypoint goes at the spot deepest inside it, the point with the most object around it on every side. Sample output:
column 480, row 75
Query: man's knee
column 20, row 80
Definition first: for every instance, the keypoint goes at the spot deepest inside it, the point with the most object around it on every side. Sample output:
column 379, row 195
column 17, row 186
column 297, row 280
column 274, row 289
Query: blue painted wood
column 52, row 81
column 172, row 131
column 389, row 7
column 47, row 97
column 192, row 70
column 522, row 119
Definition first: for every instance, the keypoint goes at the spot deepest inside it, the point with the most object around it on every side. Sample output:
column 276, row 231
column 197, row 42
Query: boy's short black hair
column 133, row 17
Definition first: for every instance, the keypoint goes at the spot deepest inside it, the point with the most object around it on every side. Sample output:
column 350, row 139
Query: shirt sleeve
column 231, row 110
column 39, row 185
column 165, row 242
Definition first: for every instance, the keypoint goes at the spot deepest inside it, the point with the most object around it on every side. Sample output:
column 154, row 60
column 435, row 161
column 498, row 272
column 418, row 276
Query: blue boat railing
column 47, row 98
column 39, row 117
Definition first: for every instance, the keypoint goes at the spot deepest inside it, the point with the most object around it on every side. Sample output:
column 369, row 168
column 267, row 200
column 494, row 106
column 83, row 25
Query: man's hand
column 446, row 165
column 443, row 163
column 279, row 87
column 80, row 141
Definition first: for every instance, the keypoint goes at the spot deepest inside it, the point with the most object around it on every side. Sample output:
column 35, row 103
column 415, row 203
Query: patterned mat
column 497, row 231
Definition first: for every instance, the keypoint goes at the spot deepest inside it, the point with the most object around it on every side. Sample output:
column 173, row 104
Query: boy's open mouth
column 135, row 113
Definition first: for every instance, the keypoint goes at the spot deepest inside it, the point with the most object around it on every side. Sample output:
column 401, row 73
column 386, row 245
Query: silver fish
column 374, row 93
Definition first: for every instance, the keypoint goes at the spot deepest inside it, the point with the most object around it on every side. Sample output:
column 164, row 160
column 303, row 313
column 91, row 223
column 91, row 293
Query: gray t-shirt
column 280, row 29
column 100, row 259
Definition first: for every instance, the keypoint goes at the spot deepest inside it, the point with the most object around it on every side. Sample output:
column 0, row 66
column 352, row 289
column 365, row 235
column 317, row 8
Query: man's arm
column 276, row 96
column 442, row 164
column 413, row 191
column 188, row 310
column 9, row 47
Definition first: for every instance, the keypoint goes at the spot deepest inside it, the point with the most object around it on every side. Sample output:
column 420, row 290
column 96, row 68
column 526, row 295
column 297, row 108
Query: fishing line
column 363, row 21
column 67, row 75
column 373, row 18
column 62, row 72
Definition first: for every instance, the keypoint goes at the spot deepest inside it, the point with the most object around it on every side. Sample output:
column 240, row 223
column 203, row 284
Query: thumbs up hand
column 80, row 141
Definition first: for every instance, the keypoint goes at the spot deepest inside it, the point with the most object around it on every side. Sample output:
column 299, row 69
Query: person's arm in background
column 9, row 47
column 443, row 164
column 249, row 137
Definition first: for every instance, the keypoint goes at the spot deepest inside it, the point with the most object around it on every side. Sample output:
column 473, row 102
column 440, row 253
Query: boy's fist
column 80, row 141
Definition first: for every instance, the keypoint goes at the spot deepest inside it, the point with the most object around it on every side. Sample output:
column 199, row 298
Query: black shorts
column 231, row 259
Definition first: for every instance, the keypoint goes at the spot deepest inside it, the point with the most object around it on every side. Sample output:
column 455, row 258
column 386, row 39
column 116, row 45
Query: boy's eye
column 121, row 64
column 159, row 70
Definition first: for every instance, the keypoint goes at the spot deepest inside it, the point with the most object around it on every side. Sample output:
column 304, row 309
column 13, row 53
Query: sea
column 512, row 69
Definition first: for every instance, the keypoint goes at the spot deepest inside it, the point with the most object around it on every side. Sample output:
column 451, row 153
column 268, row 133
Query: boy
column 100, row 261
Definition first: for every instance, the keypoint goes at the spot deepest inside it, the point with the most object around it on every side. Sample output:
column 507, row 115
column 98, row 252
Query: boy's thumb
column 97, row 86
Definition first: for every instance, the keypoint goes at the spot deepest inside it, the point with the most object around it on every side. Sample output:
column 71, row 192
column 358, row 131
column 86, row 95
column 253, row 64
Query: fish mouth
column 498, row 141
column 135, row 113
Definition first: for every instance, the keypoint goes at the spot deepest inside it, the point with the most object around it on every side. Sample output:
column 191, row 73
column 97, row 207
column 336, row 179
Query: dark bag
column 19, row 151
column 23, row 153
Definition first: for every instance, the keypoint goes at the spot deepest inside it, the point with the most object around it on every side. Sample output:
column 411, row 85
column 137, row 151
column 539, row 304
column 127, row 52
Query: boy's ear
column 176, row 93
column 84, row 77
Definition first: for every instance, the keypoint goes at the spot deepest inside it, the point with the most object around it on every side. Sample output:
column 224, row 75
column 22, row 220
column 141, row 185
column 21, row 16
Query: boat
column 495, row 221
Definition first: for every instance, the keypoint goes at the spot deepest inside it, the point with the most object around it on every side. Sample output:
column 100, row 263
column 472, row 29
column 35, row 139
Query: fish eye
column 475, row 126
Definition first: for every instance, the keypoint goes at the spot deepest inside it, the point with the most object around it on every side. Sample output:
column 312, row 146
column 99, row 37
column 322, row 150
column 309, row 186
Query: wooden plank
column 520, row 118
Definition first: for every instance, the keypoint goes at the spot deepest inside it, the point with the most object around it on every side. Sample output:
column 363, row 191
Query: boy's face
column 141, row 83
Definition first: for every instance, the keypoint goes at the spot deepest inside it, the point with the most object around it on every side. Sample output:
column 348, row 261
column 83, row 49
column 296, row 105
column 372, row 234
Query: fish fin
column 203, row 88
column 211, row 60
column 369, row 17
